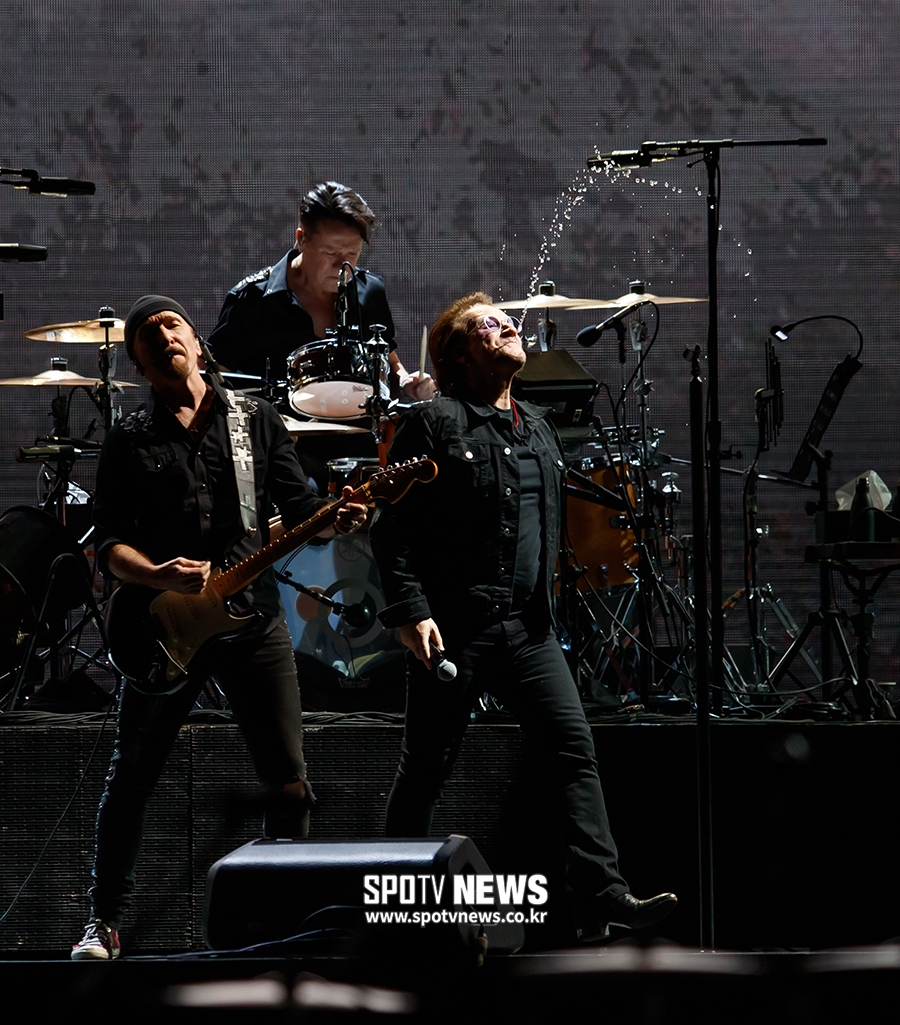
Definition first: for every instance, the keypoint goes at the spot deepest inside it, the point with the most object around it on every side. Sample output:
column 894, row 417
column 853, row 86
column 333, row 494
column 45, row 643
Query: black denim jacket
column 167, row 494
column 447, row 549
column 260, row 319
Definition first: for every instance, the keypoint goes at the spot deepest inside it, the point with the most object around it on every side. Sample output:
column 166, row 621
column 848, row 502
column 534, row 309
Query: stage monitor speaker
column 267, row 890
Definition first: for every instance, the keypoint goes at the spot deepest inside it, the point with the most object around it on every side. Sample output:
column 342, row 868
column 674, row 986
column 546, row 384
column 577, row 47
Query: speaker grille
column 206, row 805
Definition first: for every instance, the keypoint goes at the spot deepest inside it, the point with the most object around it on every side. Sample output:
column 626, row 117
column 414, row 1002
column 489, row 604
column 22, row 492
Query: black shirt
column 169, row 493
column 449, row 549
column 260, row 318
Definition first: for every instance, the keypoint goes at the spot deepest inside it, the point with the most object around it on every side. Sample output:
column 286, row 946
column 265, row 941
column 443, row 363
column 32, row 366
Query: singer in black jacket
column 467, row 567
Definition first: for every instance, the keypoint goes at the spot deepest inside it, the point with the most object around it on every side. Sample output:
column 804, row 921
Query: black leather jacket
column 447, row 549
column 260, row 319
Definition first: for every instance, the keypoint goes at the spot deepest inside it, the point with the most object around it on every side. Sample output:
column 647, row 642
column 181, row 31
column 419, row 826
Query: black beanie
column 145, row 307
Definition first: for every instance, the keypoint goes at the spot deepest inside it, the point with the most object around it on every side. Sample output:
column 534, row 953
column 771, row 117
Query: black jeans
column 258, row 677
column 525, row 669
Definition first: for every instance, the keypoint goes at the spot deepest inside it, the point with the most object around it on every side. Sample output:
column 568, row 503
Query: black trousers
column 525, row 669
column 258, row 676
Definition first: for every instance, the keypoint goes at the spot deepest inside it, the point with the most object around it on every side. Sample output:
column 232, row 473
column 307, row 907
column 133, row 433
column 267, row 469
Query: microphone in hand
column 445, row 669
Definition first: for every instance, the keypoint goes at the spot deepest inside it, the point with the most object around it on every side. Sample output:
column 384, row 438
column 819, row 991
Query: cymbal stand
column 649, row 520
column 638, row 515
column 376, row 406
column 546, row 333
column 769, row 418
column 106, row 361
column 66, row 453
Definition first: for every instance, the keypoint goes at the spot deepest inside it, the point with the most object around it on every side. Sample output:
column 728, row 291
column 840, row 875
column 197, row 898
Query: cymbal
column 630, row 298
column 61, row 379
column 554, row 302
column 296, row 428
column 83, row 332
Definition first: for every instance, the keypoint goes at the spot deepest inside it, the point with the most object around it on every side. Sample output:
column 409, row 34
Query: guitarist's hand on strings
column 186, row 576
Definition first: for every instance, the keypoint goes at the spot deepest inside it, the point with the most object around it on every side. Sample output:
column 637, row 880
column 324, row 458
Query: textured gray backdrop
column 467, row 125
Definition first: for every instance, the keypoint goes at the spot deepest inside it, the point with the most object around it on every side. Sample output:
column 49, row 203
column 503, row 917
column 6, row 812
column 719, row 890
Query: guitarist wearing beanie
column 183, row 485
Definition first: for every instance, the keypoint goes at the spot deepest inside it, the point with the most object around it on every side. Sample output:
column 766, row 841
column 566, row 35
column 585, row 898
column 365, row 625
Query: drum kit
column 619, row 512
column 620, row 518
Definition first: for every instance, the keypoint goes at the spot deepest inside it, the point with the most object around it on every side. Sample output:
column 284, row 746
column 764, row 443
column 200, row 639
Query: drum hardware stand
column 57, row 644
column 651, row 586
column 348, row 310
column 64, row 452
column 375, row 405
column 106, row 360
column 61, row 631
column 769, row 420
column 546, row 332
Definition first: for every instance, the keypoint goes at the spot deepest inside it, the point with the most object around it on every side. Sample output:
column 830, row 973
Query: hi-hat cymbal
column 61, row 379
column 296, row 428
column 553, row 302
column 83, row 332
column 630, row 298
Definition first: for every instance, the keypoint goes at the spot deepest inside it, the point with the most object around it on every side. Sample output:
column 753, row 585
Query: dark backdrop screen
column 466, row 126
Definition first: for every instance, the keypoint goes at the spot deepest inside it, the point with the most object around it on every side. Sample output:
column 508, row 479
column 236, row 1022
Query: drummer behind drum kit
column 620, row 521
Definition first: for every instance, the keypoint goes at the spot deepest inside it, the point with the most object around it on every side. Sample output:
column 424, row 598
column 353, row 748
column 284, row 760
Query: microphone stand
column 709, row 151
column 338, row 607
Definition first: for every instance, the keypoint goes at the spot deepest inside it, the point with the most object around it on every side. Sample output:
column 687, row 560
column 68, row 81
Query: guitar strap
column 239, row 410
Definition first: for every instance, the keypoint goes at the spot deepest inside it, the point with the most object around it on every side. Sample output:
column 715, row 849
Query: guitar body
column 155, row 636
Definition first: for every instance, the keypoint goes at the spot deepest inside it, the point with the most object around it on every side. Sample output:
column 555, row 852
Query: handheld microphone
column 588, row 335
column 446, row 670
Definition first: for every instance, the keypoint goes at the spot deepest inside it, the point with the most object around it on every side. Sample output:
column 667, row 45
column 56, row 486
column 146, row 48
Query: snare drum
column 606, row 551
column 329, row 381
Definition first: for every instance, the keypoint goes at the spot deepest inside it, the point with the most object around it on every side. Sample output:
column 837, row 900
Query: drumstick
column 423, row 352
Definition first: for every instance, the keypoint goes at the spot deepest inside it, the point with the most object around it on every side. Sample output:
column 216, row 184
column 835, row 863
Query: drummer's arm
column 396, row 367
column 415, row 385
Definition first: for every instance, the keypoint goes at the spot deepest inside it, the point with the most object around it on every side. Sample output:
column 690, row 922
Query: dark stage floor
column 656, row 984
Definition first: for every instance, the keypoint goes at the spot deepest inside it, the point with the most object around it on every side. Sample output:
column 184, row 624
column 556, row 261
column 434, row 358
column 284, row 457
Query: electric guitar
column 156, row 638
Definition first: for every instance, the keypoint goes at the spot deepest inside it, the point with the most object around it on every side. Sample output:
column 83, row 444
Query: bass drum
column 605, row 550
column 330, row 381
column 347, row 662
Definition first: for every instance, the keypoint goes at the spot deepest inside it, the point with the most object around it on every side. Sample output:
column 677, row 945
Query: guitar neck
column 390, row 484
column 238, row 576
